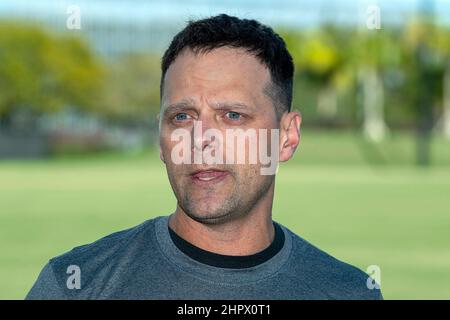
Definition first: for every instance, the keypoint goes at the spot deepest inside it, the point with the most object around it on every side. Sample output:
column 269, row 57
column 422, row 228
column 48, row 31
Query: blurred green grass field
column 363, row 205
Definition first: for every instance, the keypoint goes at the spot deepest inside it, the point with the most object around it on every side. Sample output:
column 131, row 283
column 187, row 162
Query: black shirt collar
column 225, row 261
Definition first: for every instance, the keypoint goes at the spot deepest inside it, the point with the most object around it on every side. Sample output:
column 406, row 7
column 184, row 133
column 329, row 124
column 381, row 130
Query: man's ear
column 289, row 134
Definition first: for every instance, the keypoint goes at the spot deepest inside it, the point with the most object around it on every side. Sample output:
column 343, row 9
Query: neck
column 244, row 236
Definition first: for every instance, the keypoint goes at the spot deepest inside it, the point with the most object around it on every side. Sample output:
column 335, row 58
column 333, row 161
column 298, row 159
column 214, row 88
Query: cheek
column 166, row 148
column 247, row 175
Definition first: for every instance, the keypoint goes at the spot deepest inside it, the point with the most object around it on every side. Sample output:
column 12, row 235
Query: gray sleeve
column 46, row 286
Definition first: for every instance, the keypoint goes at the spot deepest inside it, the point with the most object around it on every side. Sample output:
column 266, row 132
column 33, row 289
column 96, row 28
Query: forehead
column 221, row 73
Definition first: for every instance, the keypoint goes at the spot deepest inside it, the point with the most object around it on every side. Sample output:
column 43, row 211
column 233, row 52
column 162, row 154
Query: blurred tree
column 320, row 60
column 131, row 92
column 41, row 72
column 371, row 54
column 429, row 49
column 442, row 45
column 444, row 122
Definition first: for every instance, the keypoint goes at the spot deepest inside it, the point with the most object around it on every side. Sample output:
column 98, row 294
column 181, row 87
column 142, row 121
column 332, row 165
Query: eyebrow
column 179, row 106
column 234, row 105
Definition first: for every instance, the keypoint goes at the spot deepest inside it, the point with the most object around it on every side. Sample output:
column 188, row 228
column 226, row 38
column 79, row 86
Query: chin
column 206, row 217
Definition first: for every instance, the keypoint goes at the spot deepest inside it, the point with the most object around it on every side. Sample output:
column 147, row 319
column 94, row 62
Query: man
column 231, row 78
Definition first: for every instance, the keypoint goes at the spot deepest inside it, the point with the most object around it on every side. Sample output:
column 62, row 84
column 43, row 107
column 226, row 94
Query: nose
column 200, row 140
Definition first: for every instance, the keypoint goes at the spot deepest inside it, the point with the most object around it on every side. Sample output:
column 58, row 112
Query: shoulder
column 103, row 258
column 323, row 272
column 104, row 247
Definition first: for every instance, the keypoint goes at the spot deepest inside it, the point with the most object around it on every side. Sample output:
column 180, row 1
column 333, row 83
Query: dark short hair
column 260, row 40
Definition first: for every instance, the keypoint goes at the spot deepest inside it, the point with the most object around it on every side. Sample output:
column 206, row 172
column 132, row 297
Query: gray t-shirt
column 144, row 263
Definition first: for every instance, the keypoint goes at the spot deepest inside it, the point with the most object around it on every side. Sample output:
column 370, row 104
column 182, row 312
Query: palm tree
column 372, row 53
column 428, row 67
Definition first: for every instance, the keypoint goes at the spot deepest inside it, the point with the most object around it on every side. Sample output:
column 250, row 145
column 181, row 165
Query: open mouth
column 209, row 175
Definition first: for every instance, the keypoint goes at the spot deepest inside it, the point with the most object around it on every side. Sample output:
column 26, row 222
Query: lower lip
column 215, row 177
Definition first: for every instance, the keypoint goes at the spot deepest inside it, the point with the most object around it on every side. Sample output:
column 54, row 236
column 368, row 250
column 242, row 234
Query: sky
column 297, row 13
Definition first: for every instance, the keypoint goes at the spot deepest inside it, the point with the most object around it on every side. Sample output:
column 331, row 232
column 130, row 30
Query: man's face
column 223, row 90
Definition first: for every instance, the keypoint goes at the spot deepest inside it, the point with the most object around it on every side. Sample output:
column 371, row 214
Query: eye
column 234, row 115
column 181, row 116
